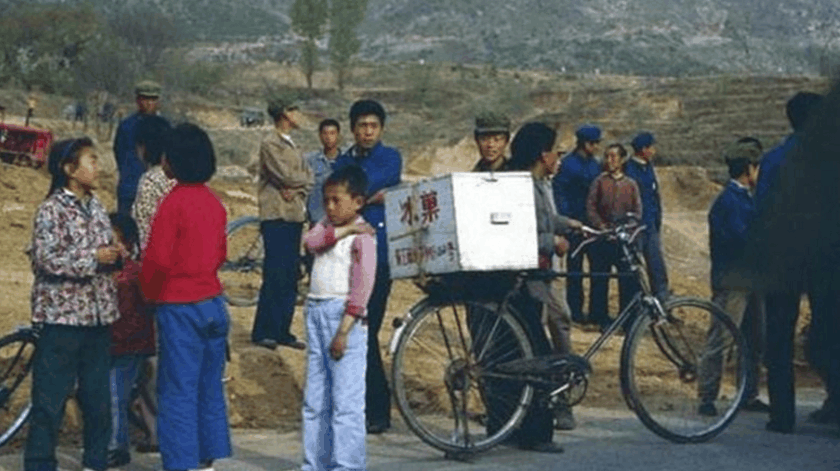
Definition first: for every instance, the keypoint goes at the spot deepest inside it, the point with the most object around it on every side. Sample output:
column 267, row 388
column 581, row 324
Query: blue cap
column 588, row 133
column 642, row 140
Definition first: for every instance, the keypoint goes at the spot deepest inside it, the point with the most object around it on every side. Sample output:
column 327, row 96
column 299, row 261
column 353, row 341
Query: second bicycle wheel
column 241, row 274
column 669, row 368
column 16, row 353
column 445, row 381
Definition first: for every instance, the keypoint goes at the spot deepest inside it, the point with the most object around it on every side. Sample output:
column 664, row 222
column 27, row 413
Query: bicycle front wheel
column 445, row 381
column 17, row 351
column 241, row 274
column 684, row 376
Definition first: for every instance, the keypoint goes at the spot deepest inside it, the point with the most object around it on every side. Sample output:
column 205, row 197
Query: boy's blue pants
column 192, row 420
column 125, row 370
column 334, row 400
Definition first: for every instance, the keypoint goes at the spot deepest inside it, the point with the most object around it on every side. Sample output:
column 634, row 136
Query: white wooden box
column 462, row 222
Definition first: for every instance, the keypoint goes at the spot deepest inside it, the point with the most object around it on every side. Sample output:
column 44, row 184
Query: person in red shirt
column 132, row 343
column 185, row 249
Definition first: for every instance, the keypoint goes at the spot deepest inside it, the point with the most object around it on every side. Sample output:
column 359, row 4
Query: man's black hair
column 152, row 132
column 364, row 108
column 739, row 166
column 751, row 140
column 529, row 143
column 622, row 151
column 477, row 134
column 190, row 154
column 128, row 227
column 353, row 176
column 327, row 123
column 64, row 152
column 800, row 107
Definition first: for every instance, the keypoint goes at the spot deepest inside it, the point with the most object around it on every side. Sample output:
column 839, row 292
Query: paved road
column 604, row 440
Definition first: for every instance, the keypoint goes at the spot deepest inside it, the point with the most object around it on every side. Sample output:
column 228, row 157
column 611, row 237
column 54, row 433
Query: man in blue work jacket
column 578, row 170
column 383, row 166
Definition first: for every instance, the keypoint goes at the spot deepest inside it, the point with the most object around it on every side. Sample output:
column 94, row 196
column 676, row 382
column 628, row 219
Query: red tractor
column 25, row 146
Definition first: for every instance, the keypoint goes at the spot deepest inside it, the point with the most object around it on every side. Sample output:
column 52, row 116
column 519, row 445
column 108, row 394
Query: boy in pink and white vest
column 342, row 280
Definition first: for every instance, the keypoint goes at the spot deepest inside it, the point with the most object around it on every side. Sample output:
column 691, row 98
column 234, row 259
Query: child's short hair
column 190, row 154
column 152, row 132
column 353, row 177
column 738, row 166
column 364, row 108
column 64, row 152
column 327, row 123
column 128, row 227
column 529, row 143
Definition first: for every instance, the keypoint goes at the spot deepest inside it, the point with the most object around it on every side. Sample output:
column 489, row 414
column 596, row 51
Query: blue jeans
column 334, row 400
column 125, row 370
column 192, row 420
column 278, row 293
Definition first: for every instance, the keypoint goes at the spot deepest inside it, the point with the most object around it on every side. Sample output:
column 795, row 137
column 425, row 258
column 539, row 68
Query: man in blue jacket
column 782, row 307
column 383, row 166
column 578, row 170
column 129, row 165
column 729, row 221
column 640, row 169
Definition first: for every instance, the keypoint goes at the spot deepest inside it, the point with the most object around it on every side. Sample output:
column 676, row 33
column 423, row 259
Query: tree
column 345, row 17
column 148, row 30
column 309, row 18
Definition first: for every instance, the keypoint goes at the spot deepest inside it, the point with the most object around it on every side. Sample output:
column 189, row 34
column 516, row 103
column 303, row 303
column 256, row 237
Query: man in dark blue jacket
column 578, row 170
column 729, row 221
column 129, row 165
column 383, row 166
column 782, row 306
column 640, row 169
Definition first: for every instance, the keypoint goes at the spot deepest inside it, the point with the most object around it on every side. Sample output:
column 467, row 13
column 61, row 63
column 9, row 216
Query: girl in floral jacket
column 75, row 301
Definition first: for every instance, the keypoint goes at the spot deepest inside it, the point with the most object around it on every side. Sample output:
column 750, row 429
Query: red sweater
column 186, row 247
column 134, row 332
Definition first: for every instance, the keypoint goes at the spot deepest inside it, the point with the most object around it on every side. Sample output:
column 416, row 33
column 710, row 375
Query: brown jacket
column 610, row 200
column 281, row 167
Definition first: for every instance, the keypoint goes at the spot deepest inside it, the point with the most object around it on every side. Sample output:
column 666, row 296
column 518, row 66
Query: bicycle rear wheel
column 445, row 383
column 17, row 351
column 241, row 274
column 668, row 370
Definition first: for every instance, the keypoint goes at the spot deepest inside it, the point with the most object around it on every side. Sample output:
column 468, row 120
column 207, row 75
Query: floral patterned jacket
column 70, row 286
column 153, row 187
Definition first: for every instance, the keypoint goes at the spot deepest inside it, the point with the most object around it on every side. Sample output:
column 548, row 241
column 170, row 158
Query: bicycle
column 241, row 274
column 481, row 354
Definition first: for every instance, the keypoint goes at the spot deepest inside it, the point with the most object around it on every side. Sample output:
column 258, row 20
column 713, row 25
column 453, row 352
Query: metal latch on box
column 500, row 218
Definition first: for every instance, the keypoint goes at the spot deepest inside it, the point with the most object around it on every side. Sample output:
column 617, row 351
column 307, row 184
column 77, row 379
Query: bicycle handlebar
column 620, row 232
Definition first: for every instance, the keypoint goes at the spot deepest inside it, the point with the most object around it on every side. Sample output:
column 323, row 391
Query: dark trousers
column 278, row 293
column 823, row 345
column 655, row 261
column 574, row 283
column 603, row 257
column 377, row 393
column 124, row 204
column 65, row 355
column 782, row 310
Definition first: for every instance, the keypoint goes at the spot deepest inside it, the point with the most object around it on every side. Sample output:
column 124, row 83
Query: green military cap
column 148, row 88
column 490, row 123
column 280, row 104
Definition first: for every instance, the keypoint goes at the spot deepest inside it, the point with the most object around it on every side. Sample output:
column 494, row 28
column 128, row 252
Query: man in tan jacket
column 283, row 185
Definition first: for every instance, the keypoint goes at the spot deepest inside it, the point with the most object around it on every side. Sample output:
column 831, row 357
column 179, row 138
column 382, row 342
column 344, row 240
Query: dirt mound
column 686, row 188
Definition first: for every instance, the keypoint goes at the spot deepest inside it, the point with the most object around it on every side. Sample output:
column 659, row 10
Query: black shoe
column 377, row 429
column 267, row 343
column 778, row 427
column 755, row 405
column 117, row 458
column 707, row 409
column 292, row 343
column 826, row 414
column 548, row 447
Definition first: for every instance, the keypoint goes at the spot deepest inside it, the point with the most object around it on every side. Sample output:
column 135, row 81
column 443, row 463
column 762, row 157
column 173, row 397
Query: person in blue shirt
column 321, row 162
column 129, row 165
column 730, row 218
column 578, row 170
column 383, row 166
column 640, row 169
column 782, row 306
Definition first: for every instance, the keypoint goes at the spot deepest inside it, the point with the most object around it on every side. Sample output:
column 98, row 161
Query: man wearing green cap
column 492, row 134
column 129, row 164
column 285, row 180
